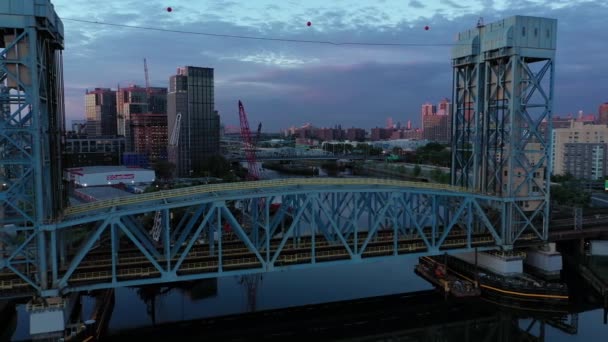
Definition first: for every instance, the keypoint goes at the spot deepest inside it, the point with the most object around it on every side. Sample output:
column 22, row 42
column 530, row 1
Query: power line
column 276, row 39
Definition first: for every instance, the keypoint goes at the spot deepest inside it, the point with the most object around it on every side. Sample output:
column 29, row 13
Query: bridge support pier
column 545, row 261
column 504, row 263
column 599, row 247
column 49, row 316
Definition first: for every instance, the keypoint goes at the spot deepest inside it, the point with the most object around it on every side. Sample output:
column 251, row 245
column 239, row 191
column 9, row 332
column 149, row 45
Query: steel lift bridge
column 50, row 249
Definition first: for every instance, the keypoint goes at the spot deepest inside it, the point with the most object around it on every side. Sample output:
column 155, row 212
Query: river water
column 292, row 288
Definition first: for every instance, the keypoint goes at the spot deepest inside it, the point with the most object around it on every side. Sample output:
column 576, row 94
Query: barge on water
column 520, row 288
column 435, row 273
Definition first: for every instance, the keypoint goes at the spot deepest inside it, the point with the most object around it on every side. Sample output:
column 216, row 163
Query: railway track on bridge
column 235, row 256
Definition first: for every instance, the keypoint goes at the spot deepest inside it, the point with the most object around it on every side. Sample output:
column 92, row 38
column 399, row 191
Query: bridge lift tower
column 31, row 122
column 503, row 75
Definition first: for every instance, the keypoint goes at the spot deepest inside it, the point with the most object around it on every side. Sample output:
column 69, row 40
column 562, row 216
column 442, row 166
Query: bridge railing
column 243, row 186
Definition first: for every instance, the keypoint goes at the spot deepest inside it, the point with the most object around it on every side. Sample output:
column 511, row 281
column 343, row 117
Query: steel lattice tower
column 503, row 76
column 31, row 122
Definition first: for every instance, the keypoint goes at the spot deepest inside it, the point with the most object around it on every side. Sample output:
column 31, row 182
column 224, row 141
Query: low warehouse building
column 108, row 175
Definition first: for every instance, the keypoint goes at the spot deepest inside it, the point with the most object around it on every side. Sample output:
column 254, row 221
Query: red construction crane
column 249, row 145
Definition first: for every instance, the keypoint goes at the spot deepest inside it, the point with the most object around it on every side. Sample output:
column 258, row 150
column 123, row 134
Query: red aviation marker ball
column 169, row 9
column 426, row 28
column 308, row 23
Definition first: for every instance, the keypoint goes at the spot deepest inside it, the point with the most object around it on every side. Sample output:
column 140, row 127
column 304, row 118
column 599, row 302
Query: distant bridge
column 270, row 156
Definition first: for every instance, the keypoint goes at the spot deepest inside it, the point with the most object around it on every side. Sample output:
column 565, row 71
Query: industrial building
column 108, row 175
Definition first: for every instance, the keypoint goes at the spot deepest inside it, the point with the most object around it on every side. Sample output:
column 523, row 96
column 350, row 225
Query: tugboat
column 436, row 273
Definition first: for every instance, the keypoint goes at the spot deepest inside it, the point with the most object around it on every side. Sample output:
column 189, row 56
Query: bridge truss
column 31, row 125
column 231, row 229
column 502, row 117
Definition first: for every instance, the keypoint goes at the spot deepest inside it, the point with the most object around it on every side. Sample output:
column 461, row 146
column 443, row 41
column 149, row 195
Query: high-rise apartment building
column 129, row 100
column 444, row 107
column 191, row 94
column 355, row 134
column 577, row 133
column 142, row 119
column 100, row 110
column 437, row 128
column 585, row 160
column 437, row 124
column 428, row 109
column 389, row 123
column 603, row 113
column 381, row 133
column 148, row 135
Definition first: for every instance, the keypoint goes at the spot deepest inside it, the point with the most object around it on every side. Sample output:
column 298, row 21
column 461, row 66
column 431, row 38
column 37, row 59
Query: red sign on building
column 120, row 176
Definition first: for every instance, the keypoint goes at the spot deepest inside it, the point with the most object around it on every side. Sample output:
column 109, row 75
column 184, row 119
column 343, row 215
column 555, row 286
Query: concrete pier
column 598, row 247
column 49, row 317
column 545, row 261
column 504, row 263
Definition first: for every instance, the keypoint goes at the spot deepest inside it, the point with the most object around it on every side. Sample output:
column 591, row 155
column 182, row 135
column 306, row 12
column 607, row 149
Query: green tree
column 216, row 166
column 164, row 169
column 562, row 178
column 416, row 171
column 436, row 175
column 570, row 193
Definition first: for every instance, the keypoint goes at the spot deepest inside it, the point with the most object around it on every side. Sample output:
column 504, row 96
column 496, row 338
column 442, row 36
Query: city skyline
column 284, row 84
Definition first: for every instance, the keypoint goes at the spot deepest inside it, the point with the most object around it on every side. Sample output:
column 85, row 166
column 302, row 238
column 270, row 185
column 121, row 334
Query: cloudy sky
column 284, row 83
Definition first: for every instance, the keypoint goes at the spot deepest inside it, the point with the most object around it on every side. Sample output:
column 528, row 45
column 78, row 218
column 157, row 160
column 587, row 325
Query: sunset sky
column 288, row 83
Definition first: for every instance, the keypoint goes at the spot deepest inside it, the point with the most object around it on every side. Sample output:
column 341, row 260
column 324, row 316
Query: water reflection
column 250, row 284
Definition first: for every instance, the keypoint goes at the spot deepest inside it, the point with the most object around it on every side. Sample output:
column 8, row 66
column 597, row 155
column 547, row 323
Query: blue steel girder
column 31, row 117
column 336, row 229
column 514, row 88
column 387, row 219
column 465, row 129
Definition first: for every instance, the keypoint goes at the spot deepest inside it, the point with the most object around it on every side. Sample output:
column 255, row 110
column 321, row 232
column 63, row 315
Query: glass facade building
column 191, row 93
column 100, row 110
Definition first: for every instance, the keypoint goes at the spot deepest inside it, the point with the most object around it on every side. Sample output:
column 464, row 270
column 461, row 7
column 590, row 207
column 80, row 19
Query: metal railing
column 243, row 186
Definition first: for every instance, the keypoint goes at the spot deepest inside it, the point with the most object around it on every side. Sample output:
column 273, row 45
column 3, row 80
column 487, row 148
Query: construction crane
column 174, row 139
column 249, row 145
column 173, row 143
column 148, row 91
column 157, row 227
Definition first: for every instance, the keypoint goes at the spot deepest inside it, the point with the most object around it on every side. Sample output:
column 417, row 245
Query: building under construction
column 142, row 119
